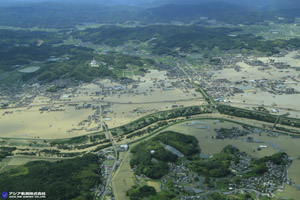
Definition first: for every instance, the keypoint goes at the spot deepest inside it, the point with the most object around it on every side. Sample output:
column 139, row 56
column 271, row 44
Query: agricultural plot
column 77, row 111
column 124, row 178
column 274, row 31
column 155, row 184
column 14, row 162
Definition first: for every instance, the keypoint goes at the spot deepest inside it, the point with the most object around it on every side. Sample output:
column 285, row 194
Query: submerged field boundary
column 219, row 108
column 200, row 118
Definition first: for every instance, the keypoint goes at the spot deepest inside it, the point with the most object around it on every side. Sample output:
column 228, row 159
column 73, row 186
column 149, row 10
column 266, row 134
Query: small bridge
column 278, row 118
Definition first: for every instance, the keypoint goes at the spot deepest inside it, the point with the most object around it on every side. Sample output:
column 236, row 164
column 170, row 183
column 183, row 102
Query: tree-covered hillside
column 171, row 39
column 55, row 60
column 151, row 157
column 67, row 179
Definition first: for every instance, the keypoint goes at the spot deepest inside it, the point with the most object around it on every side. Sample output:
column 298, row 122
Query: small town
column 193, row 186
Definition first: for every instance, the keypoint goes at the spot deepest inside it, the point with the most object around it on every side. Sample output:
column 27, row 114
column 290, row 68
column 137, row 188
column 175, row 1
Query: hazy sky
column 262, row 4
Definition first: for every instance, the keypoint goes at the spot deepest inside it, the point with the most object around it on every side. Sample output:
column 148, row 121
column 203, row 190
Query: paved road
column 115, row 163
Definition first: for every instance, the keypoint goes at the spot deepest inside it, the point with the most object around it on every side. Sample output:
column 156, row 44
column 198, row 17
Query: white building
column 274, row 111
column 125, row 147
column 263, row 146
column 94, row 63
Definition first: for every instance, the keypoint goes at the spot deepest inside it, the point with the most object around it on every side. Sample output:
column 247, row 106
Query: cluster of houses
column 180, row 177
column 105, row 170
column 268, row 183
column 234, row 132
column 222, row 88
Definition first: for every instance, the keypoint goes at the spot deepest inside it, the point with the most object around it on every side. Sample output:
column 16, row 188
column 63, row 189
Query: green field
column 14, row 162
column 124, row 178
column 274, row 31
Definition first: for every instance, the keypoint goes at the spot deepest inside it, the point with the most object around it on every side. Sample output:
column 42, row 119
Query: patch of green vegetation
column 273, row 31
column 22, row 47
column 169, row 39
column 259, row 167
column 218, row 166
column 208, row 182
column 94, row 138
column 71, row 62
column 50, row 151
column 223, row 185
column 102, row 147
column 84, row 146
column 20, row 171
column 247, row 196
column 55, row 88
column 67, row 179
column 77, row 66
column 120, row 61
column 6, row 151
column 136, row 193
column 261, row 116
column 154, row 165
column 71, row 141
column 30, row 38
column 206, row 96
column 10, row 78
column 159, row 116
column 109, row 162
column 166, row 195
column 148, row 192
column 215, row 61
column 215, row 195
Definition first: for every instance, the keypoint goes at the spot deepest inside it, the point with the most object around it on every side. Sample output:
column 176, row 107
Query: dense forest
column 21, row 47
column 136, row 193
column 218, row 166
column 28, row 38
column 67, row 179
column 77, row 65
column 171, row 39
column 161, row 34
column 148, row 192
column 36, row 48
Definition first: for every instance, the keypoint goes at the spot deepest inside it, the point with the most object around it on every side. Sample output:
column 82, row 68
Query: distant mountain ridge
column 208, row 9
column 220, row 11
column 64, row 14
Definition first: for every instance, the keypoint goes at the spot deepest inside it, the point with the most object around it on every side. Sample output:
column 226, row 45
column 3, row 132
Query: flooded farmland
column 211, row 146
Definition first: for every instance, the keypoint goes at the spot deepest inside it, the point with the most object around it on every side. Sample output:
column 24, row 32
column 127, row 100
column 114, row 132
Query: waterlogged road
column 100, row 101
